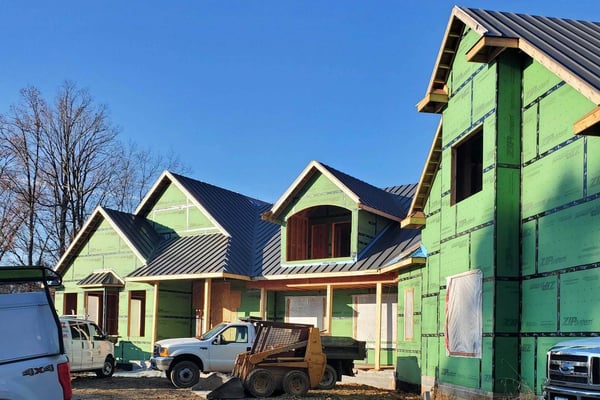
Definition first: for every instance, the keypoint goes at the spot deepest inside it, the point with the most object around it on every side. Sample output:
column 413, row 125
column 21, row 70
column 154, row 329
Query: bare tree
column 57, row 162
column 78, row 150
column 21, row 134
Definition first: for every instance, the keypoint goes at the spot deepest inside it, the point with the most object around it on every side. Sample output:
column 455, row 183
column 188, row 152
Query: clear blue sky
column 248, row 92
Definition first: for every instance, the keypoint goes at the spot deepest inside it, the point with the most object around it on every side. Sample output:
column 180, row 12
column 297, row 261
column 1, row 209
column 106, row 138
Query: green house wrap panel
column 507, row 222
column 528, row 247
column 461, row 68
column 447, row 222
column 559, row 174
column 528, row 364
column 506, row 367
column 408, row 368
column 457, row 117
column 529, row 133
column 539, row 305
column 445, row 175
column 482, row 250
column 487, row 367
column 454, row 256
column 434, row 199
column 507, row 306
column 579, row 299
column 431, row 347
column 489, row 140
column 569, row 237
column 318, row 191
column 433, row 280
column 508, row 109
column 558, row 112
column 593, row 165
column 537, row 80
column 430, row 236
column 484, row 91
column 487, row 303
column 478, row 208
column 460, row 371
column 104, row 240
column 430, row 325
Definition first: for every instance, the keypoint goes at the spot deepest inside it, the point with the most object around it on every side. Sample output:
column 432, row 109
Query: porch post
column 206, row 310
column 263, row 303
column 155, row 314
column 329, row 309
column 378, row 327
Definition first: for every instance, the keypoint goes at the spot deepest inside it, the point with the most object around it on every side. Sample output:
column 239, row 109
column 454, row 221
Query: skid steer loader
column 285, row 357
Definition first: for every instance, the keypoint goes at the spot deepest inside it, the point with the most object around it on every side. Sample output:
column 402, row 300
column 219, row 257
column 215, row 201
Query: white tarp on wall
column 464, row 314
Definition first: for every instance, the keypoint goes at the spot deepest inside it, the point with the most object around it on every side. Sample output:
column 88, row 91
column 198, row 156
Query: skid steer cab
column 285, row 357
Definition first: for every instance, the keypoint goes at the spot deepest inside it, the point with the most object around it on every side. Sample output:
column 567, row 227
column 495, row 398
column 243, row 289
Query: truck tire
column 260, row 383
column 185, row 374
column 108, row 368
column 296, row 383
column 329, row 378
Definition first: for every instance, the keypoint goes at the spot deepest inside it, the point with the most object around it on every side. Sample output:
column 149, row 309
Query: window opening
column 137, row 313
column 467, row 163
column 318, row 233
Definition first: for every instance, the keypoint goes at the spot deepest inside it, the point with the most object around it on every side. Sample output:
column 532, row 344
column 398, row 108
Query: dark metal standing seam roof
column 393, row 245
column 102, row 278
column 391, row 203
column 573, row 44
column 138, row 230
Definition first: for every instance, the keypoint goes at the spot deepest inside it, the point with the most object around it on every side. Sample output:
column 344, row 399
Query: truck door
column 74, row 345
column 85, row 345
column 228, row 344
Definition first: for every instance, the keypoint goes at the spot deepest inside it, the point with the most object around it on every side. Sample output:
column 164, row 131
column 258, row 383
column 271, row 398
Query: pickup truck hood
column 179, row 342
column 585, row 345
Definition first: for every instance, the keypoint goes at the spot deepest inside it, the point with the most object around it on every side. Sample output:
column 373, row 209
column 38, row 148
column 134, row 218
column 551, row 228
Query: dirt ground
column 126, row 388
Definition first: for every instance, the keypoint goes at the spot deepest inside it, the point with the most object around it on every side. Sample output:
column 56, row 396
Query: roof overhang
column 589, row 124
column 102, row 279
column 186, row 277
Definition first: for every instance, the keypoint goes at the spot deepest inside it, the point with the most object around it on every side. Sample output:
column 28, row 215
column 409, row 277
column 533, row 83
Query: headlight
column 163, row 351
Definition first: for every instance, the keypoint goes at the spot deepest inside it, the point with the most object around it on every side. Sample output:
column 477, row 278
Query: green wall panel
column 318, row 191
column 478, row 208
column 539, row 308
column 528, row 247
column 487, row 368
column 447, row 223
column 506, row 356
column 432, row 280
column 431, row 346
column 430, row 235
column 536, row 81
column 434, row 199
column 430, row 323
column 528, row 364
column 484, row 91
column 460, row 371
column 560, row 174
column 461, row 68
column 507, row 222
column 487, row 300
column 569, row 237
column 454, row 256
column 482, row 250
column 529, row 133
column 457, row 117
column 593, row 165
column 558, row 112
column 579, row 298
column 507, row 306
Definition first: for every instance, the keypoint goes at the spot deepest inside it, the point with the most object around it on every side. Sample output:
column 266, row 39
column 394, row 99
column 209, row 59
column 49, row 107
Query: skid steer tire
column 260, row 383
column 296, row 383
column 329, row 378
column 185, row 374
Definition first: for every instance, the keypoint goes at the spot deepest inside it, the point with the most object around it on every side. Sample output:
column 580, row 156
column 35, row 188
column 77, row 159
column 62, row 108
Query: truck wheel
column 260, row 383
column 108, row 368
column 185, row 374
column 329, row 378
column 296, row 383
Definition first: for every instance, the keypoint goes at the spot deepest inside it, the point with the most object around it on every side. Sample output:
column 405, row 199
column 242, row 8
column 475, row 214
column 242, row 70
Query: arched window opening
column 318, row 233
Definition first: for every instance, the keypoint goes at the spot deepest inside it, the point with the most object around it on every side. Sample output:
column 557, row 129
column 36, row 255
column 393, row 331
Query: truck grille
column 573, row 368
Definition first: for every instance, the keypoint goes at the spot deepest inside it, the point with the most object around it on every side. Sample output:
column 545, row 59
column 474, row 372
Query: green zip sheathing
column 479, row 232
column 107, row 250
column 408, row 352
column 560, row 221
column 175, row 213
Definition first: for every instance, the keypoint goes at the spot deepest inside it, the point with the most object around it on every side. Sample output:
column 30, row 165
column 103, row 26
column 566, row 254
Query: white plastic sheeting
column 464, row 314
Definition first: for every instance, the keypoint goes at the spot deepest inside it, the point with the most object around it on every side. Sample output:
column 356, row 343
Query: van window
column 96, row 332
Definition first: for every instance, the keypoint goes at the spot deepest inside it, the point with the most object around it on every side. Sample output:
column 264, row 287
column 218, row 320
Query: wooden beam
column 589, row 124
column 206, row 312
column 155, row 314
column 362, row 279
column 414, row 221
column 378, row 294
column 329, row 309
column 488, row 47
column 263, row 303
column 432, row 102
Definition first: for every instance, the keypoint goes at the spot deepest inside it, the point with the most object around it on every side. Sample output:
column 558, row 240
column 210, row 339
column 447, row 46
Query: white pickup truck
column 182, row 359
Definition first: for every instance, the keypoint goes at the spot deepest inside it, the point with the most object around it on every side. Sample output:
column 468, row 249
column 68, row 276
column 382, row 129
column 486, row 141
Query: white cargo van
column 33, row 364
column 87, row 346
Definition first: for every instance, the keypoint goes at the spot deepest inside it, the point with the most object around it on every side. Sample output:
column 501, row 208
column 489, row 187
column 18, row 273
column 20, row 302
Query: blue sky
column 248, row 92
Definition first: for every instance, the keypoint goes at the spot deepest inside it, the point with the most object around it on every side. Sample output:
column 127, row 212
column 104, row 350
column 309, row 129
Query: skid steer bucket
column 219, row 386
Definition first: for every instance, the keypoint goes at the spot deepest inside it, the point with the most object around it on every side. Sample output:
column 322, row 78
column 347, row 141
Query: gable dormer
column 328, row 216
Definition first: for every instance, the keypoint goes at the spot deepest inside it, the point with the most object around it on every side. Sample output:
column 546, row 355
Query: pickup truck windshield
column 212, row 332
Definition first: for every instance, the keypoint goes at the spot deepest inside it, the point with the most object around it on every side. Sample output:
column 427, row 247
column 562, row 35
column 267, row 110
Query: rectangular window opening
column 467, row 164
column 137, row 313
